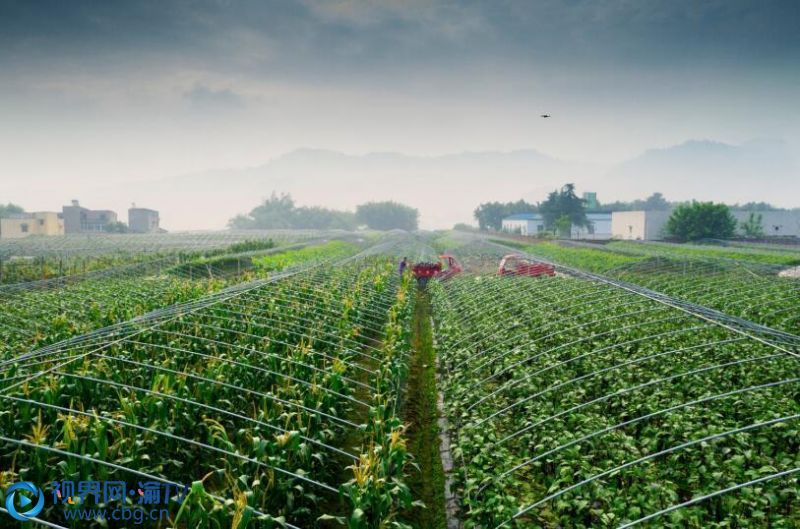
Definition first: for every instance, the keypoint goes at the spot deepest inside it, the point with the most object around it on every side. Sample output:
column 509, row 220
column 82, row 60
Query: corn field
column 278, row 385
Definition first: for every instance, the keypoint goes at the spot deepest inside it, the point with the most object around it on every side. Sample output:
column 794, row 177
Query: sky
column 97, row 93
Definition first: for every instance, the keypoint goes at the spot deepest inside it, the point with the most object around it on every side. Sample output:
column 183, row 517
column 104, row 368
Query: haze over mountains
column 447, row 188
column 712, row 170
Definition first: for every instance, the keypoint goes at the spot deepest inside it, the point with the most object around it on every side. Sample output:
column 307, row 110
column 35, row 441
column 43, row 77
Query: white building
column 639, row 225
column 532, row 224
column 651, row 225
column 599, row 227
column 524, row 224
column 774, row 223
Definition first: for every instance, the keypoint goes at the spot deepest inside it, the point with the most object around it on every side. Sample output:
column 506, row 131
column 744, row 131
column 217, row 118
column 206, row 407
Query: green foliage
column 316, row 217
column 692, row 272
column 278, row 261
column 701, row 220
column 444, row 241
column 583, row 258
column 655, row 202
column 250, row 245
column 563, row 203
column 388, row 216
column 34, row 318
column 490, row 215
column 291, row 376
column 427, row 483
column 280, row 212
column 116, row 227
column 10, row 209
column 582, row 382
column 24, row 269
column 739, row 289
column 697, row 251
column 753, row 227
column 274, row 213
column 563, row 226
column 755, row 206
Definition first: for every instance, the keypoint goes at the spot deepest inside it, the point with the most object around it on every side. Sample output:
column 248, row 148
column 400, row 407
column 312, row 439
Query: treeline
column 562, row 210
column 688, row 221
column 10, row 209
column 564, row 202
column 281, row 212
column 561, row 202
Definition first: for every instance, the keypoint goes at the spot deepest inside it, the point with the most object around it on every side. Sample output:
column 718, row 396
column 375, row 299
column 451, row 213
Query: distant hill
column 758, row 170
column 447, row 188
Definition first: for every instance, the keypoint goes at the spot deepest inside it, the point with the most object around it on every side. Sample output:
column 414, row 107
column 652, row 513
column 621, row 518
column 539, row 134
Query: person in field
column 403, row 265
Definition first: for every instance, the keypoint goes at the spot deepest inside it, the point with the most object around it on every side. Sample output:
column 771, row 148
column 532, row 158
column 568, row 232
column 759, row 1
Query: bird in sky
column 545, row 115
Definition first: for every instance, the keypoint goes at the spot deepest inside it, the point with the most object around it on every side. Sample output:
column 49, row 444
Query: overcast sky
column 122, row 90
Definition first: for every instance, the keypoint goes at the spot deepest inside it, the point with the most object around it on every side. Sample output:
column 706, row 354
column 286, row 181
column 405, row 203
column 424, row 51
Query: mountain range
column 446, row 189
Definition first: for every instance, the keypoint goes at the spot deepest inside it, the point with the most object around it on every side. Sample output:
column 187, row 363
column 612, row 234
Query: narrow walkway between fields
column 420, row 413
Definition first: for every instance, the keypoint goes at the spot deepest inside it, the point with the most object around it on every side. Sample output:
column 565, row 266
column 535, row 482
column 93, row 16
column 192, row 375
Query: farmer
column 403, row 265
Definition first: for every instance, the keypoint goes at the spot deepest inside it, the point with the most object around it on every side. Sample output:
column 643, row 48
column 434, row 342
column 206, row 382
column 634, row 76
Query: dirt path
column 421, row 414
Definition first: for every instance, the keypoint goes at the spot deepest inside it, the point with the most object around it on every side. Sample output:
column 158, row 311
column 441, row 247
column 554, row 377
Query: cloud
column 449, row 20
column 201, row 97
column 191, row 84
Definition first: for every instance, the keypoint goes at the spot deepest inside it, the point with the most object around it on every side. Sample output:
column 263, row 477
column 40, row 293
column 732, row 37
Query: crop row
column 21, row 272
column 767, row 256
column 577, row 404
column 737, row 288
column 47, row 314
column 97, row 244
column 755, row 294
column 277, row 401
column 584, row 258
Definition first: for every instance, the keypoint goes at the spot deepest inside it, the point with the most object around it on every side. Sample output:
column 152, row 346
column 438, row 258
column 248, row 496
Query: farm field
column 37, row 259
column 789, row 256
column 44, row 312
column 262, row 393
column 747, row 289
column 310, row 385
column 575, row 403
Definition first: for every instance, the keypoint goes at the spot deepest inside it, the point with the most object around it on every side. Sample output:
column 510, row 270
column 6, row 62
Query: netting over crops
column 99, row 243
column 259, row 391
column 754, row 292
column 624, row 390
column 40, row 312
column 744, row 292
column 578, row 403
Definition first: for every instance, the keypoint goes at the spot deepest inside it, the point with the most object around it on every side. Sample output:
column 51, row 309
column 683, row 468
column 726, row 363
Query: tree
column 563, row 226
column 274, row 213
column 490, row 215
column 753, row 227
column 754, row 206
column 701, row 220
column 561, row 203
column 388, row 216
column 279, row 212
column 317, row 218
column 116, row 227
column 656, row 202
column 10, row 209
